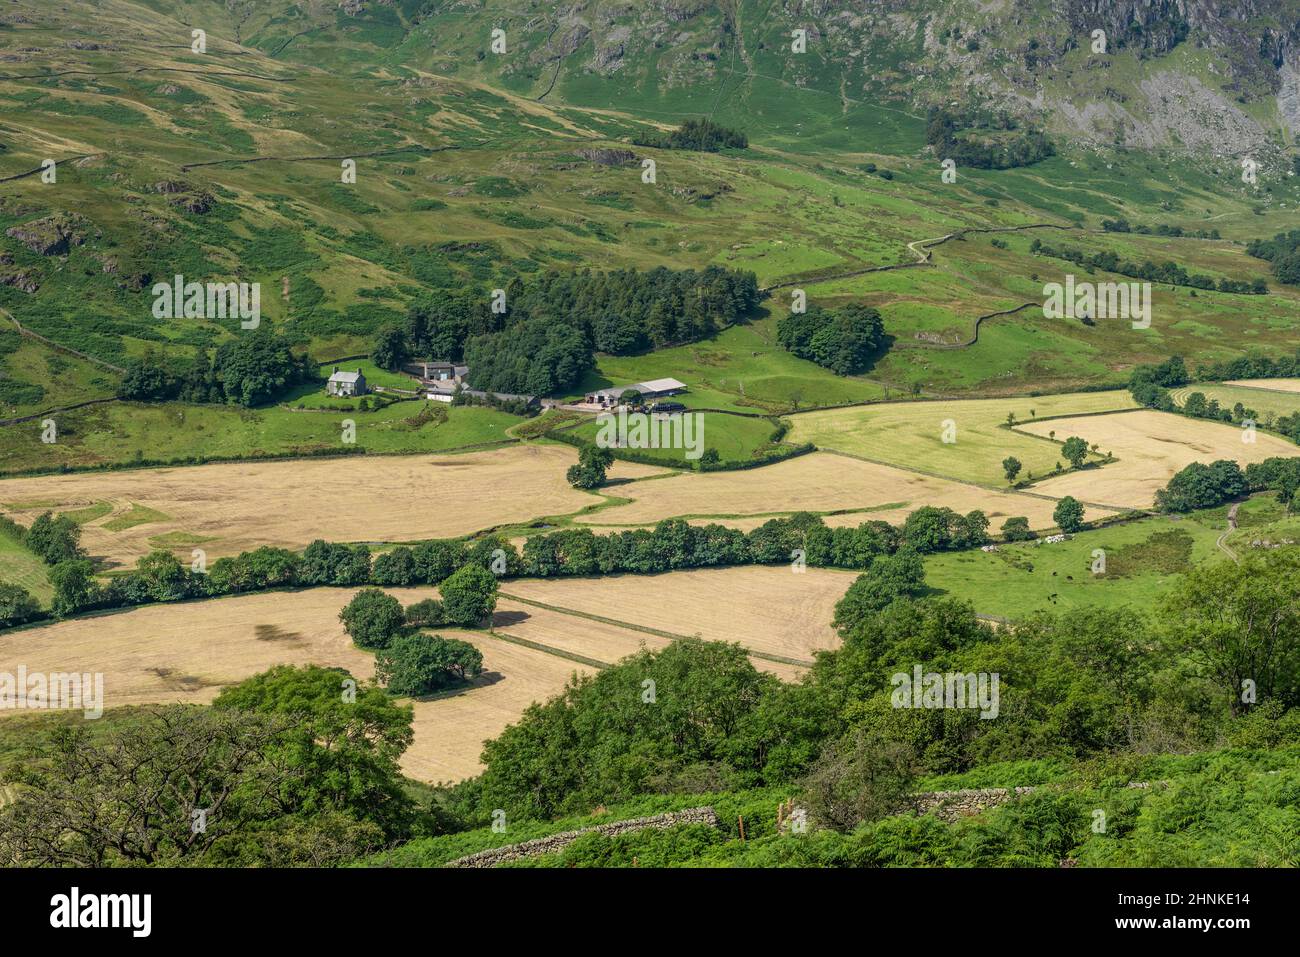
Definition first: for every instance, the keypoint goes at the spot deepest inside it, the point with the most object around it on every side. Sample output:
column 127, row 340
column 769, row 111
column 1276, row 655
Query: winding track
column 1221, row 542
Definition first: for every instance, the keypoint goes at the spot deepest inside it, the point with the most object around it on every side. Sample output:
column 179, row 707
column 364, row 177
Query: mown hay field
column 819, row 482
column 911, row 434
column 772, row 610
column 18, row 566
column 602, row 641
column 1151, row 448
column 228, row 508
column 1271, row 385
column 1277, row 402
column 188, row 652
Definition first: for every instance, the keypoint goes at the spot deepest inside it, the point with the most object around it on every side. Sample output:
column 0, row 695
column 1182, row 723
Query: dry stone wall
column 557, row 842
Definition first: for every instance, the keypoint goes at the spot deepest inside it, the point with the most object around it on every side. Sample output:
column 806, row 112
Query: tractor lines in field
column 645, row 629
column 979, row 485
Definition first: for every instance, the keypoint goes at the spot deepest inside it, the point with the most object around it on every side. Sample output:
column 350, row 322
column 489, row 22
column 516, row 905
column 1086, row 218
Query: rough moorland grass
column 42, row 378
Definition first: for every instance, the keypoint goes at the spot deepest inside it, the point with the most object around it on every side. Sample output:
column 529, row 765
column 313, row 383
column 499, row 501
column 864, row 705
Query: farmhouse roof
column 345, row 376
column 501, row 396
column 651, row 387
column 440, row 388
column 659, row 385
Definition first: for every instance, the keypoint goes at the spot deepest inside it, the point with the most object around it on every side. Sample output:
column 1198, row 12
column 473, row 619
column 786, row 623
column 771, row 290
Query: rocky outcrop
column 197, row 203
column 52, row 236
column 607, row 157
column 557, row 842
column 24, row 280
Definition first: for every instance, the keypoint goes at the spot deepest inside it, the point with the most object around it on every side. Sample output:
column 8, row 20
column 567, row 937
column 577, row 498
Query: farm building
column 446, row 391
column 654, row 389
column 436, row 371
column 346, row 383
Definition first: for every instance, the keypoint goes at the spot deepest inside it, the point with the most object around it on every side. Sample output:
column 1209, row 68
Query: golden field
column 228, row 508
column 819, row 481
column 1151, row 448
column 188, row 652
column 769, row 609
column 1271, row 385
column 603, row 641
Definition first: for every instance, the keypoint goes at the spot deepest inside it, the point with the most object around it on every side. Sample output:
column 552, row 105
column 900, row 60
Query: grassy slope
column 1142, row 562
column 742, row 369
column 122, row 432
column 911, row 434
column 20, row 567
column 799, row 203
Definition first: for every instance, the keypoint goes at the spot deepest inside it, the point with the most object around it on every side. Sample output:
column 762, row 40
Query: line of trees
column 300, row 765
column 1122, row 225
column 1250, row 367
column 672, row 544
column 1206, row 486
column 1150, row 385
column 1090, row 683
column 1168, row 272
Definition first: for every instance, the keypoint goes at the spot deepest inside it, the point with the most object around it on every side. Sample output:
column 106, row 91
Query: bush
column 888, row 577
column 373, row 618
column 54, row 540
column 1202, row 486
column 425, row 614
column 74, row 587
column 397, row 567
column 16, row 605
column 416, row 664
column 469, row 596
column 1016, row 529
column 1068, row 514
column 859, row 779
column 589, row 473
column 701, row 135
